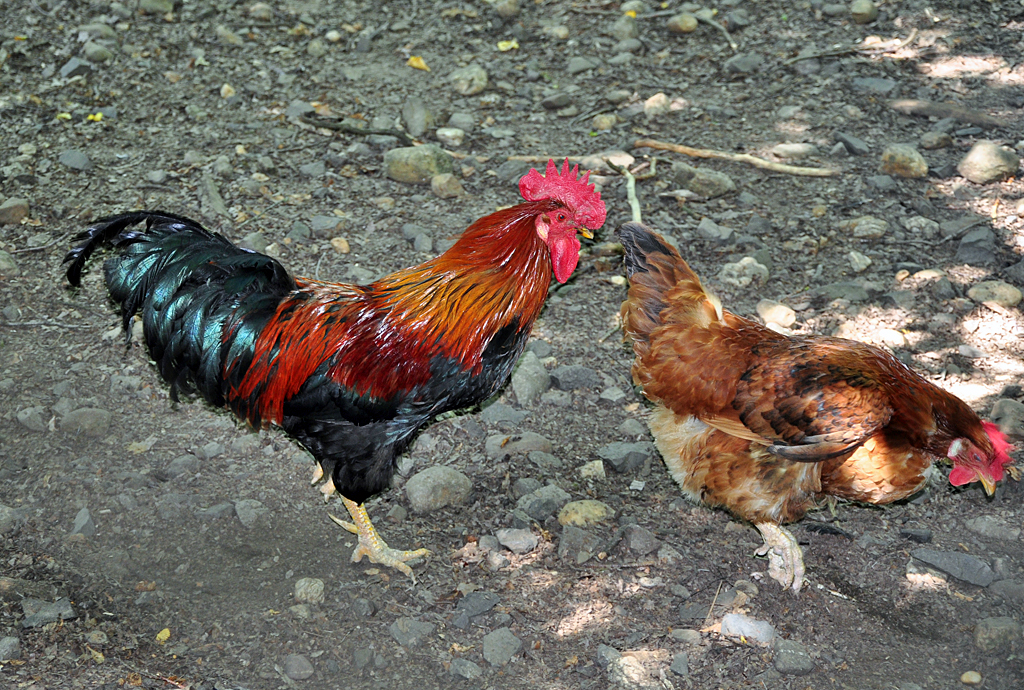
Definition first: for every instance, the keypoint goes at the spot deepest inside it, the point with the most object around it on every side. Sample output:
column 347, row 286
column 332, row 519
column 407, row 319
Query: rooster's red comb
column 576, row 193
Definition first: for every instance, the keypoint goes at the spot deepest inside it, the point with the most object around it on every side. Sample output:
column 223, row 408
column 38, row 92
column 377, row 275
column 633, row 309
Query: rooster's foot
column 785, row 559
column 372, row 546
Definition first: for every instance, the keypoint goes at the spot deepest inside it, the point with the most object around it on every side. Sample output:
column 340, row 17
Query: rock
column 32, row 418
column 658, row 104
column 742, row 63
column 795, row 151
column 10, row 648
column 575, row 376
column 690, row 637
column 89, row 421
column 452, row 137
column 577, row 546
column 83, row 524
column 992, row 634
column 921, row 227
column 903, row 160
column 10, row 518
column 309, row 590
column 578, row 64
column 469, row 80
column 776, row 312
column 297, row 667
column 624, row 457
column 593, row 470
column 39, row 613
column 249, row 511
column 1010, row 590
column 477, row 603
column 680, row 664
column 988, row 162
column 517, row 541
column 865, row 227
column 446, row 186
column 706, row 183
column 156, row 6
column 416, row 116
column 8, row 266
column 863, row 11
column 682, row 23
column 556, row 101
column 500, row 412
column 873, row 85
column 639, row 540
column 436, row 487
column 530, row 379
column 503, row 445
column 75, row 67
column 744, row 272
column 13, row 210
column 993, row 528
column 183, row 464
column 465, row 669
column 410, row 632
column 853, row 145
column 1003, row 294
column 542, row 503
column 737, row 624
column 970, row 678
column 97, row 52
column 792, row 658
column 959, row 565
column 76, row 160
column 1009, row 415
column 585, row 513
column 417, row 164
column 935, row 140
column 977, row 248
column 625, row 27
column 710, row 230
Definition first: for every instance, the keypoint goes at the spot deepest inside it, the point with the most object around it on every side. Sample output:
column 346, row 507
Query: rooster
column 349, row 371
column 765, row 425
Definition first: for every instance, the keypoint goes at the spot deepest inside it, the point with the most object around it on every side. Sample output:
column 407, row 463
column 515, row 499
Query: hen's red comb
column 1000, row 445
column 578, row 195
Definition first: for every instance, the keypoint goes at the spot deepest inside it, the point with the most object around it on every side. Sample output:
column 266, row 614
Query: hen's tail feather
column 202, row 298
column 654, row 268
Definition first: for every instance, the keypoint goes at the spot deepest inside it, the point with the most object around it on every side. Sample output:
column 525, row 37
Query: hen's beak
column 987, row 483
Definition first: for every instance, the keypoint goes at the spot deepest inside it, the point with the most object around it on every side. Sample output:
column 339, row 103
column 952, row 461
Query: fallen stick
column 887, row 47
column 634, row 203
column 736, row 157
column 909, row 106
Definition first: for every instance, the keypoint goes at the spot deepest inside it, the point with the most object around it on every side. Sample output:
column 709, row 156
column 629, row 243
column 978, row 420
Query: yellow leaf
column 63, row 116
column 505, row 46
column 631, row 13
column 163, row 635
column 96, row 656
column 416, row 62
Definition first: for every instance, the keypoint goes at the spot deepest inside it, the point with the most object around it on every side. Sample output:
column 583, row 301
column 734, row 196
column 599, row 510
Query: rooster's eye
column 561, row 217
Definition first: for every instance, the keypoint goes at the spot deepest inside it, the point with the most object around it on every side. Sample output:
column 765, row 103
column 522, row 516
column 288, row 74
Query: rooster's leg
column 370, row 543
column 785, row 560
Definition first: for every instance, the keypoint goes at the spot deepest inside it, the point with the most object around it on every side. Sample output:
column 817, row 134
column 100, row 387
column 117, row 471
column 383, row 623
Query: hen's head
column 579, row 209
column 972, row 464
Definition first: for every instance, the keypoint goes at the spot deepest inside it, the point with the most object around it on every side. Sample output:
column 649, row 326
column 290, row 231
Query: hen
column 349, row 371
column 765, row 425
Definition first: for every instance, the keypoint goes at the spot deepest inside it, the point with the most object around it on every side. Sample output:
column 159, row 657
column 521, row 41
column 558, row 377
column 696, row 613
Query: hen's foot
column 785, row 559
column 370, row 543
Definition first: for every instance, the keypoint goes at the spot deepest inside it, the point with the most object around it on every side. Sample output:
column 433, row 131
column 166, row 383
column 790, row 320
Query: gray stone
column 993, row 528
column 32, row 418
column 13, row 210
column 436, row 487
column 792, row 658
column 314, row 169
column 874, row 85
column 465, row 669
column 500, row 646
column 988, row 162
column 476, row 603
column 416, row 116
column 623, row 456
column 517, row 541
column 737, row 625
column 75, row 67
column 796, row 151
column 996, row 291
column 1009, row 415
column 10, row 648
column 215, row 512
column 76, row 160
column 464, row 121
column 417, row 164
column 854, row 145
column 452, row 137
column 920, row 536
column 935, row 140
column 962, row 566
column 977, row 248
column 743, row 63
column 578, row 64
column 577, row 545
column 544, row 502
column 211, row 450
column 574, row 376
column 10, row 518
column 500, row 445
column 97, row 52
column 156, row 6
column 744, row 272
column 1010, row 590
column 446, row 186
column 993, row 634
column 556, row 101
column 469, row 80
column 639, row 540
column 363, row 607
column 524, row 486
column 183, row 464
column 83, row 524
column 297, row 667
column 39, row 613
column 89, row 421
column 410, row 632
column 309, row 590
column 854, row 292
column 706, row 183
column 903, row 160
column 680, row 664
column 8, row 266
column 298, row 109
column 249, row 511
column 500, row 412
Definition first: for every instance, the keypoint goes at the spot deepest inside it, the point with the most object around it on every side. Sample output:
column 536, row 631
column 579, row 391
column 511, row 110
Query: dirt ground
column 166, row 551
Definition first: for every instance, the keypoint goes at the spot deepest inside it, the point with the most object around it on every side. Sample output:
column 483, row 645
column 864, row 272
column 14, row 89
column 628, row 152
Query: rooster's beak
column 987, row 483
column 586, row 232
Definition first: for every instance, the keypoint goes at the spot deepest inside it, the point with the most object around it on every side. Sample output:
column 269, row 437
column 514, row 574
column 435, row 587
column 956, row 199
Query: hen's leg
column 785, row 559
column 370, row 543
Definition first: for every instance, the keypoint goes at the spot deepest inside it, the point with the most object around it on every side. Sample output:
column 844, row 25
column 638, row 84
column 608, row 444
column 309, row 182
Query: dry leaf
column 416, row 62
column 163, row 635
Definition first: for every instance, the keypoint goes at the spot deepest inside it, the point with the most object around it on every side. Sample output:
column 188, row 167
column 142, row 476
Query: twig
column 31, row 324
column 961, row 231
column 725, row 32
column 909, row 106
column 261, row 214
column 713, row 602
column 634, row 203
column 859, row 48
column 737, row 157
column 342, row 126
column 45, row 246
